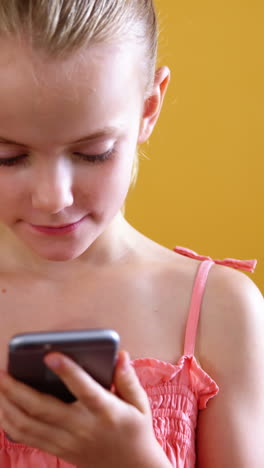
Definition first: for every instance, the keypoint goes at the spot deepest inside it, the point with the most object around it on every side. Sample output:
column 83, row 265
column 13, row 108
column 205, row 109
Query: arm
column 230, row 430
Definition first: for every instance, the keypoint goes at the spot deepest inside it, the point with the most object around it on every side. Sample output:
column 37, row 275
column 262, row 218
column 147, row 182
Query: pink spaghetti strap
column 195, row 307
column 199, row 288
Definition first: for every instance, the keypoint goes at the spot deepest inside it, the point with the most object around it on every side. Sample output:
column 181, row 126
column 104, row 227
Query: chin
column 57, row 257
column 59, row 254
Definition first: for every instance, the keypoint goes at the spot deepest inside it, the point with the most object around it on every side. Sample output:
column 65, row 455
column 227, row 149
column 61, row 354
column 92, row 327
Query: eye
column 13, row 161
column 93, row 158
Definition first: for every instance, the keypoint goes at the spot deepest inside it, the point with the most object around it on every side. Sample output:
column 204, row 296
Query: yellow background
column 203, row 184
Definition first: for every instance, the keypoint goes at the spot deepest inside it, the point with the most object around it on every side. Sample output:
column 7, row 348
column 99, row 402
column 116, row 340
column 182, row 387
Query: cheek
column 10, row 191
column 108, row 186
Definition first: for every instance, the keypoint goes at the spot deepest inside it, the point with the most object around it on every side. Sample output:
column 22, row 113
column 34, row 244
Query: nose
column 52, row 187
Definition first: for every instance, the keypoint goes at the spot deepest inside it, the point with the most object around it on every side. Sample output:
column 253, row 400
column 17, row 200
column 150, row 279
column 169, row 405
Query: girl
column 79, row 92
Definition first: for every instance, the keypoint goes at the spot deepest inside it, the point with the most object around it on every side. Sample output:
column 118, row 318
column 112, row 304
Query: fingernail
column 126, row 361
column 53, row 361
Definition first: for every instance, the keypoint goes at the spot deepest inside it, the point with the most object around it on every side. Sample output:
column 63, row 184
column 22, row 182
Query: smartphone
column 95, row 350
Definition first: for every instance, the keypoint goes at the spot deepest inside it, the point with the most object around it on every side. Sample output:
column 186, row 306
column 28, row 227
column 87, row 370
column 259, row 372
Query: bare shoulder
column 232, row 312
column 231, row 350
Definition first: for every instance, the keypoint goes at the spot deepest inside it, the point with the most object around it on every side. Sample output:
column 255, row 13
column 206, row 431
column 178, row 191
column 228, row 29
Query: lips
column 60, row 226
column 58, row 229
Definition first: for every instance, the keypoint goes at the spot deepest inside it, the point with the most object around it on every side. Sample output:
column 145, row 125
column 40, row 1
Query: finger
column 40, row 406
column 128, row 386
column 79, row 382
column 26, row 430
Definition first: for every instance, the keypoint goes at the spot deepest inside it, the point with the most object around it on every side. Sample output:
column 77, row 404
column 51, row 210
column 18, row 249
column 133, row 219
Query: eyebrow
column 99, row 133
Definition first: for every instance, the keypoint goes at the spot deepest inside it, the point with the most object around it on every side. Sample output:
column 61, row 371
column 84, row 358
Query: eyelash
column 13, row 161
column 96, row 158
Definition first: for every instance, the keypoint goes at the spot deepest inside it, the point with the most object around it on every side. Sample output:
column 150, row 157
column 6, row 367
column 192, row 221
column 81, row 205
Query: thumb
column 128, row 386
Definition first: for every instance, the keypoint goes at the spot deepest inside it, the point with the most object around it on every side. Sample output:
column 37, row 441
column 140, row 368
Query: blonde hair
column 62, row 27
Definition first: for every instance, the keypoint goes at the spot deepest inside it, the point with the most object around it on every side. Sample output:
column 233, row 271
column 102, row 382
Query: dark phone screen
column 94, row 350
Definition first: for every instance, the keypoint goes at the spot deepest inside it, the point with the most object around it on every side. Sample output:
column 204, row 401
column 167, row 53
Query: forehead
column 40, row 90
column 19, row 57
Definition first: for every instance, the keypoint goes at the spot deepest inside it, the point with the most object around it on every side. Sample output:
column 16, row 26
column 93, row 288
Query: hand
column 100, row 430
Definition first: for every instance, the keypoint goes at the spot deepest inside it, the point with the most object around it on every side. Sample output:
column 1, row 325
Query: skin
column 46, row 106
column 61, row 104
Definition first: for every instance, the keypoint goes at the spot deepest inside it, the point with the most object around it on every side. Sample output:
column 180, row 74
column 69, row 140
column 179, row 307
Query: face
column 68, row 136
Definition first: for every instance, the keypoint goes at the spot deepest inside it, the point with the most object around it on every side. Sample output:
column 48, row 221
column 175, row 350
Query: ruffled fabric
column 13, row 455
column 176, row 393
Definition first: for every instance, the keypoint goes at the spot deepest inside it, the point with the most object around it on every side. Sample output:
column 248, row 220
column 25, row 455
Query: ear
column 153, row 104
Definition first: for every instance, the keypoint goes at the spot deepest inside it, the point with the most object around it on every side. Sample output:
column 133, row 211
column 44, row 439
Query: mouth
column 58, row 229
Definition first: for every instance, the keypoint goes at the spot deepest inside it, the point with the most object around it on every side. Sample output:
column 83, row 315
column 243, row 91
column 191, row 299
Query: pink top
column 176, row 391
